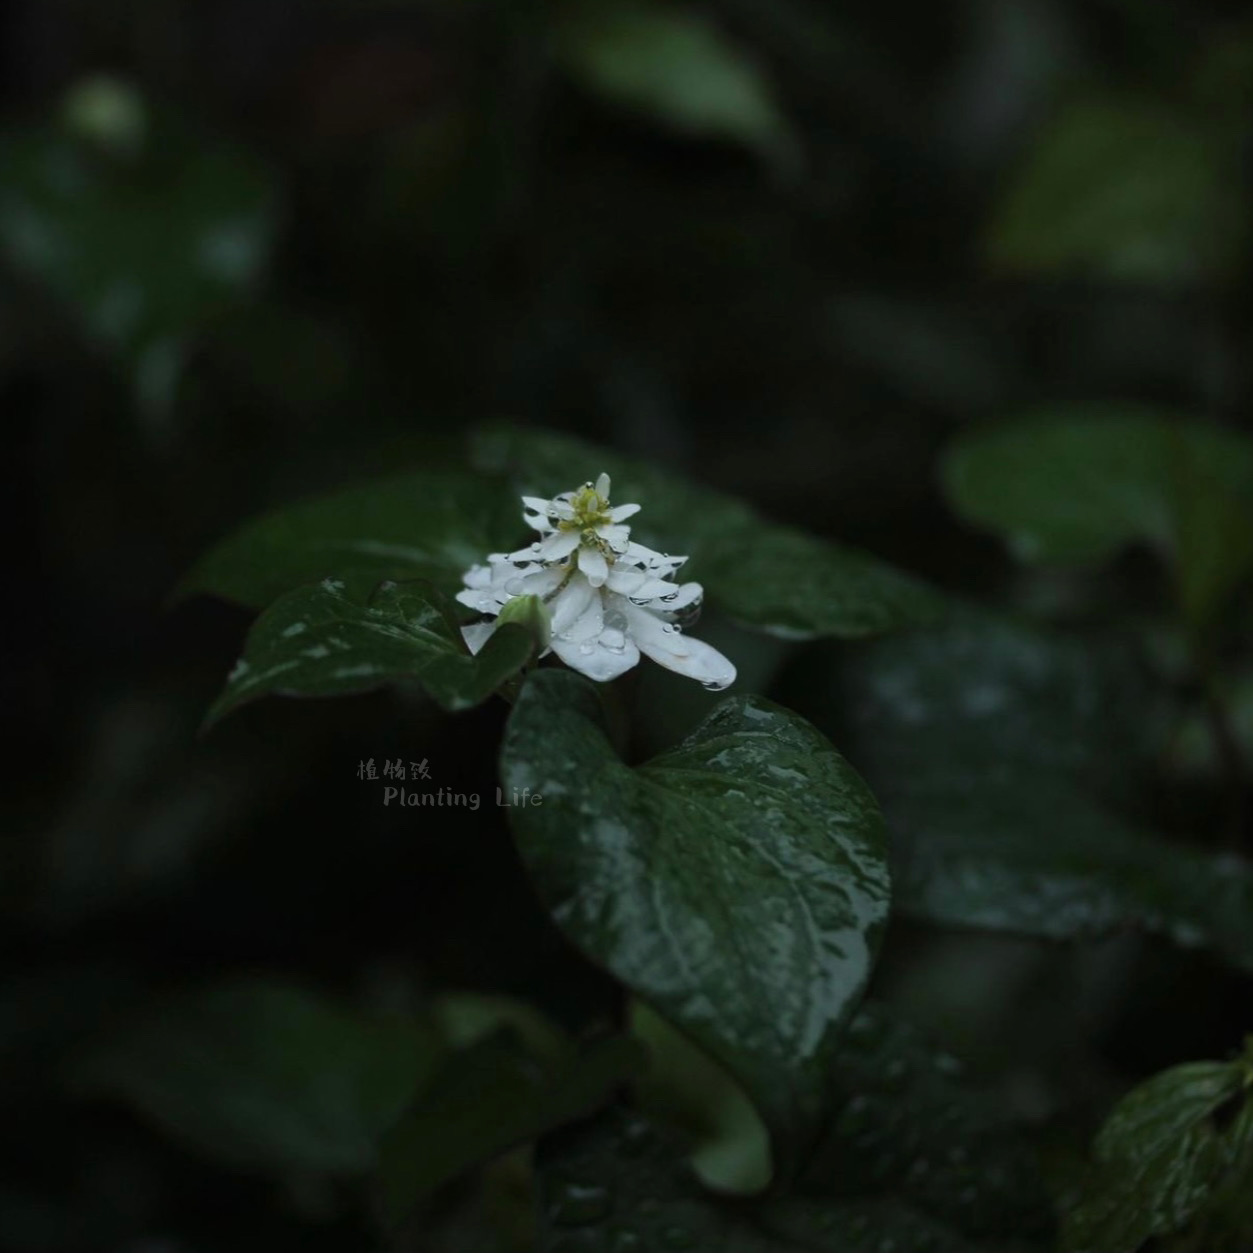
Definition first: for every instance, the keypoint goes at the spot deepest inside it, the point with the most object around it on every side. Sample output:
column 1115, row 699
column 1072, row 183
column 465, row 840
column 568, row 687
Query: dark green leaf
column 263, row 1076
column 486, row 1099
column 907, row 1131
column 1125, row 189
column 428, row 524
column 1077, row 485
column 769, row 577
column 1160, row 1157
column 998, row 753
column 328, row 640
column 620, row 1182
column 142, row 251
column 736, row 883
column 675, row 66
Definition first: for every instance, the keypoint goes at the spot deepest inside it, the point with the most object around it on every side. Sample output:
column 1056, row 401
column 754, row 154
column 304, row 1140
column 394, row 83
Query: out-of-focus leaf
column 144, row 251
column 671, row 63
column 484, row 1100
column 263, row 1076
column 620, row 1182
column 684, row 1088
column 329, row 640
column 766, row 576
column 1167, row 1147
column 428, row 524
column 907, row 1130
column 1077, row 485
column 737, row 883
column 999, row 753
column 1126, row 189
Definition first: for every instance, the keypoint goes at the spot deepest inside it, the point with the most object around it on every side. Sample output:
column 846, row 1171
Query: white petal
column 616, row 537
column 638, row 584
column 571, row 603
column 620, row 513
column 559, row 544
column 483, row 599
column 597, row 660
column 536, row 504
column 594, row 565
column 669, row 647
column 476, row 634
column 477, row 576
column 602, row 487
column 588, row 625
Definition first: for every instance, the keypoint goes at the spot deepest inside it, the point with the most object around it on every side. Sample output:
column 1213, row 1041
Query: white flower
column 610, row 599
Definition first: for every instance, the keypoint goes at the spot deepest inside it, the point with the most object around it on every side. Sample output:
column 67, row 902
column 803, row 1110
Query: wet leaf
column 736, row 883
column 262, row 1075
column 330, row 639
column 675, row 66
column 908, row 1130
column 766, row 576
column 427, row 524
column 1127, row 189
column 1001, row 755
column 1164, row 1151
column 620, row 1182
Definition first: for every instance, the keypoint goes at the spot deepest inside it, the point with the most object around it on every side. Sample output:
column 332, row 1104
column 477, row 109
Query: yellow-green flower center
column 591, row 510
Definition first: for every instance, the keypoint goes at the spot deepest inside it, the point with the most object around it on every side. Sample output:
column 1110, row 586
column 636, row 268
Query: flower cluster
column 607, row 598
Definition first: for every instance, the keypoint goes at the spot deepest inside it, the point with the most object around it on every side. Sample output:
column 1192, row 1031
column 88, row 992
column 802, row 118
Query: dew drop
column 587, row 649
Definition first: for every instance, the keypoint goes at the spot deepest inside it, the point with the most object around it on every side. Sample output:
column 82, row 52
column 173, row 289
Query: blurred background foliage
column 791, row 249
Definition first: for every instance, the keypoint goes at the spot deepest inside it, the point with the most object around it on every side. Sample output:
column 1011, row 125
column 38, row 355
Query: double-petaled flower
column 607, row 599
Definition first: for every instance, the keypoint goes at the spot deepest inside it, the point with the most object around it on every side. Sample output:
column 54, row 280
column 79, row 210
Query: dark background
column 335, row 236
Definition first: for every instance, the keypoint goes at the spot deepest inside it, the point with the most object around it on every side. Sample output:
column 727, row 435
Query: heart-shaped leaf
column 766, row 576
column 428, row 524
column 330, row 639
column 737, row 883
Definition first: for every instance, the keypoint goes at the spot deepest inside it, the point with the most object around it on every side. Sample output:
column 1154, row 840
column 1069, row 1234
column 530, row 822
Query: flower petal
column 593, row 564
column 669, row 647
column 559, row 544
column 602, row 486
column 596, row 659
column 476, row 634
column 620, row 513
column 616, row 537
column 571, row 603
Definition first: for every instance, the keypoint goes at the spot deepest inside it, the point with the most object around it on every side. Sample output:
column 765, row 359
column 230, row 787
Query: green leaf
column 1126, row 189
column 328, row 640
column 1165, row 1150
column 685, row 1089
column 1079, row 484
column 142, row 252
column 263, row 1076
column 999, row 754
column 620, row 1182
column 766, row 576
column 427, row 524
column 675, row 66
column 908, row 1131
column 487, row 1099
column 737, row 883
